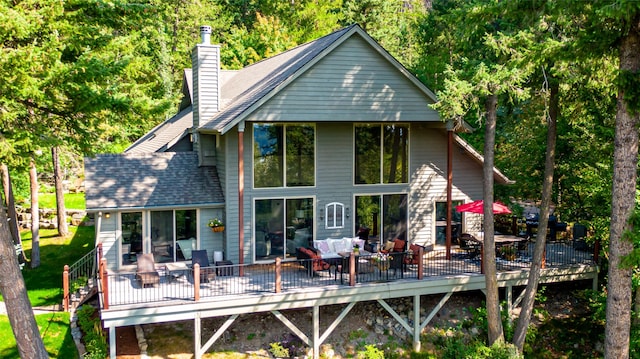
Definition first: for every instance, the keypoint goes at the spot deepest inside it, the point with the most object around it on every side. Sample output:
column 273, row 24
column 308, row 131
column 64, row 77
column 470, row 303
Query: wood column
column 241, row 198
column 449, row 190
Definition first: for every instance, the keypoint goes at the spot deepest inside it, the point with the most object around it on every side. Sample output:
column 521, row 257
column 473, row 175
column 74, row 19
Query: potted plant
column 508, row 252
column 216, row 225
column 356, row 248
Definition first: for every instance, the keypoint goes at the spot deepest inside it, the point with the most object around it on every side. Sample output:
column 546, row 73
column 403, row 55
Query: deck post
column 352, row 269
column 421, row 263
column 509, row 294
column 112, row 342
column 416, row 322
column 196, row 282
column 596, row 251
column 104, row 278
column 482, row 258
column 65, row 288
column 316, row 331
column 278, row 275
column 197, row 334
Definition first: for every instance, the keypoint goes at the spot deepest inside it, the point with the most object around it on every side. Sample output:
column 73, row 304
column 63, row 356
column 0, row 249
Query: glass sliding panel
column 441, row 222
column 268, row 155
column 368, row 214
column 300, row 155
column 367, row 154
column 395, row 156
column 299, row 224
column 131, row 236
column 394, row 216
column 162, row 236
column 185, row 234
column 269, row 228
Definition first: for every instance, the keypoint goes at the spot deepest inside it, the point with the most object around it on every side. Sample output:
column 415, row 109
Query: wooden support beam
column 217, row 334
column 112, row 342
column 394, row 314
column 436, row 309
column 292, row 327
column 416, row 319
column 197, row 334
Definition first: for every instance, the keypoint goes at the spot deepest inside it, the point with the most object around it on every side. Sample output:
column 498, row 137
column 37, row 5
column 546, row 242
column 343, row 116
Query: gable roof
column 257, row 83
column 497, row 174
column 164, row 135
column 144, row 180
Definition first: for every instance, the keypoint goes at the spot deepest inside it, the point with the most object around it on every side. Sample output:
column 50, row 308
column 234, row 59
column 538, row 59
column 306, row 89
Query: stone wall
column 49, row 220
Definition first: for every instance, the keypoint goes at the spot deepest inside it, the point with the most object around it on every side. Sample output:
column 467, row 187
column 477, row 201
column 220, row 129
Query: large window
column 283, row 154
column 131, row 236
column 381, row 154
column 384, row 215
column 281, row 226
column 168, row 230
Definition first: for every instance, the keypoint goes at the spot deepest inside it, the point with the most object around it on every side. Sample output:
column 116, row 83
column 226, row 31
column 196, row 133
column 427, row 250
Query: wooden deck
column 269, row 288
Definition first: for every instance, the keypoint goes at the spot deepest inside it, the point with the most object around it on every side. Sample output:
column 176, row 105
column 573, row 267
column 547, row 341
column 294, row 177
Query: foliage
column 55, row 332
column 278, row 351
column 215, row 222
column 93, row 336
column 370, row 352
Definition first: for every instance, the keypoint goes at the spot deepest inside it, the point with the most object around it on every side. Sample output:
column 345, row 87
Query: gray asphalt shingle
column 142, row 180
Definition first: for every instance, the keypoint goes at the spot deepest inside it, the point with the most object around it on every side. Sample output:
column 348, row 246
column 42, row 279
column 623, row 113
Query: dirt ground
column 250, row 335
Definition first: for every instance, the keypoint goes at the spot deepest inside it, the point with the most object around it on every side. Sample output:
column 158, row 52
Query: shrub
column 370, row 352
column 94, row 338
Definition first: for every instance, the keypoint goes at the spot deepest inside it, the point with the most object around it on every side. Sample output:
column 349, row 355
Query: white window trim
column 333, row 208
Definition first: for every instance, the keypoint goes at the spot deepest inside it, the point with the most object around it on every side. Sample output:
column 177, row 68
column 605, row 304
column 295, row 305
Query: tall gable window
column 381, row 154
column 283, row 155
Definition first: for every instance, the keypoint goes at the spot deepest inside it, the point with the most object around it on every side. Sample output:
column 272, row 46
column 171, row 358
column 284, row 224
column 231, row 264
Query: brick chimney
column 205, row 67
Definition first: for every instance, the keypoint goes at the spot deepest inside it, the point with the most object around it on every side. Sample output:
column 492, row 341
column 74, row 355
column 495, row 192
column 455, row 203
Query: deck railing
column 281, row 276
column 80, row 278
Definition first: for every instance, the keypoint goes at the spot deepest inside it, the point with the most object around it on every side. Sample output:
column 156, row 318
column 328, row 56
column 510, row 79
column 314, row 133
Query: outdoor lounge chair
column 146, row 272
column 206, row 271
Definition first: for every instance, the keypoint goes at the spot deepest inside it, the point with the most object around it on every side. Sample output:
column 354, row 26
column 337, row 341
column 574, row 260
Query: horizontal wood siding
column 354, row 83
column 429, row 179
column 209, row 240
column 334, row 175
column 230, row 188
column 108, row 236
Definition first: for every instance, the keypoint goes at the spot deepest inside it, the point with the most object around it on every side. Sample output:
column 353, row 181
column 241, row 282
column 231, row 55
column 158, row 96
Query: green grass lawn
column 71, row 200
column 44, row 288
column 44, row 284
column 54, row 329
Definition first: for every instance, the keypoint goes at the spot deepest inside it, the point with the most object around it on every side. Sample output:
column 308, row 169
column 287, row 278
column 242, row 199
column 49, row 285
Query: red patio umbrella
column 478, row 207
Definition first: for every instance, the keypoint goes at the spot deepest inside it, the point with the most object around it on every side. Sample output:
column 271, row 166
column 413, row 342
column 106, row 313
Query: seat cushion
column 398, row 245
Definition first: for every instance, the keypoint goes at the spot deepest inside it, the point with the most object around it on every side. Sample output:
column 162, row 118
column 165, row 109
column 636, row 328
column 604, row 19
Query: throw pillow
column 388, row 246
column 322, row 246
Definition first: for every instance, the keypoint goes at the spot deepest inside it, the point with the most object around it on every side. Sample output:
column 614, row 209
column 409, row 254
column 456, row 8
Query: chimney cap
column 205, row 34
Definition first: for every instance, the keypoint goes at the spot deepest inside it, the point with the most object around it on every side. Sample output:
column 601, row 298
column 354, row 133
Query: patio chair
column 312, row 261
column 469, row 245
column 146, row 272
column 202, row 259
column 186, row 246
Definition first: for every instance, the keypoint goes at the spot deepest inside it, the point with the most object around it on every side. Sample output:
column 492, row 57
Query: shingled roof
column 143, row 180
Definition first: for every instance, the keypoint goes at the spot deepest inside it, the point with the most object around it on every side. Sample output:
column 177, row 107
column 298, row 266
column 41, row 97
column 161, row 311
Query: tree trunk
column 625, row 166
column 63, row 229
column 524, row 320
column 494, row 321
column 14, row 229
column 35, row 215
column 23, row 323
